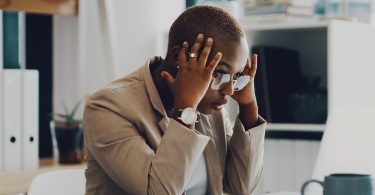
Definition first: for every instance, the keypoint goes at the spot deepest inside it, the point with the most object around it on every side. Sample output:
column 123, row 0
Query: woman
column 164, row 129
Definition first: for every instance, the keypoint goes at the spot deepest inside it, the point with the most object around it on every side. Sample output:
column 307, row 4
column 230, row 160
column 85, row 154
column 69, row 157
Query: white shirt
column 197, row 184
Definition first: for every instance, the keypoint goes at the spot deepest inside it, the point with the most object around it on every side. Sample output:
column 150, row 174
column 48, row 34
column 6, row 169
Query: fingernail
column 184, row 43
column 200, row 36
column 209, row 40
column 162, row 74
column 219, row 54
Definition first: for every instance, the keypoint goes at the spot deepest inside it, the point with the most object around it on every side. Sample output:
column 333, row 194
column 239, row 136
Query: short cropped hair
column 209, row 20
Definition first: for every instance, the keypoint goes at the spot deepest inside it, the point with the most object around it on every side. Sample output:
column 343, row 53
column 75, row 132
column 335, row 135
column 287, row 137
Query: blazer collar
column 151, row 89
column 154, row 95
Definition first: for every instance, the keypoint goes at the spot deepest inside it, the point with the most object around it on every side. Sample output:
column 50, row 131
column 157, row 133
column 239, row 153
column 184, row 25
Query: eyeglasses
column 220, row 80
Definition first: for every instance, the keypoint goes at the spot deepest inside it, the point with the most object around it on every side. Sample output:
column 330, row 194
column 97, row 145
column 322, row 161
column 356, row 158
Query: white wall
column 135, row 29
column 65, row 62
column 287, row 164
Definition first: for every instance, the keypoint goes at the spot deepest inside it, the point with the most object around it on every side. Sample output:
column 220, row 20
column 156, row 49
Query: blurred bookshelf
column 295, row 127
column 323, row 53
column 306, row 25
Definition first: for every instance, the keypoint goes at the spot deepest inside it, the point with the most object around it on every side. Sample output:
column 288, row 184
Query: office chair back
column 61, row 182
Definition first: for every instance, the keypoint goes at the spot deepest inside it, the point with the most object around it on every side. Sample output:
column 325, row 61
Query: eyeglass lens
column 221, row 81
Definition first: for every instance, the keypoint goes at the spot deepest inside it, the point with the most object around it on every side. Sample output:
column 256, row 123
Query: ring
column 192, row 55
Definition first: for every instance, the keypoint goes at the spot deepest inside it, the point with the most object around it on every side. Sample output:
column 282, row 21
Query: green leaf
column 75, row 109
column 65, row 108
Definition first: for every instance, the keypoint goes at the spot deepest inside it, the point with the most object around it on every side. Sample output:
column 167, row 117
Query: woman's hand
column 246, row 96
column 194, row 74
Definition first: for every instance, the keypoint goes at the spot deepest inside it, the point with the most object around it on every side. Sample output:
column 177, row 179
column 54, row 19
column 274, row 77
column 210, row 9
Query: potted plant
column 66, row 135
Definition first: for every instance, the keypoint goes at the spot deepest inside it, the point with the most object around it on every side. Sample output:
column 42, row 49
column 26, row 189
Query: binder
column 30, row 120
column 1, row 92
column 1, row 118
column 12, row 119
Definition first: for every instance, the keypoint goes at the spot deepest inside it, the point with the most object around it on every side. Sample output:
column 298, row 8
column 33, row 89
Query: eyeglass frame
column 231, row 80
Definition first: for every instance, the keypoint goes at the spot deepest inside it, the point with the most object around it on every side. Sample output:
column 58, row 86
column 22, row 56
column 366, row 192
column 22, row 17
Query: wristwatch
column 188, row 115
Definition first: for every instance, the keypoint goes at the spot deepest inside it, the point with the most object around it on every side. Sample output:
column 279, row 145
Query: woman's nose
column 228, row 89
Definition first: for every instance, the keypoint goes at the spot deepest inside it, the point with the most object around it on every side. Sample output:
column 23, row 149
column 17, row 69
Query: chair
column 60, row 182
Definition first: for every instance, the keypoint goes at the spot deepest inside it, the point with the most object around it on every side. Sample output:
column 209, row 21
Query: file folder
column 30, row 118
column 1, row 92
column 1, row 119
column 12, row 119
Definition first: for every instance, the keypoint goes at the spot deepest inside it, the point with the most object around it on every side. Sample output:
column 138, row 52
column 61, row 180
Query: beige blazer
column 133, row 147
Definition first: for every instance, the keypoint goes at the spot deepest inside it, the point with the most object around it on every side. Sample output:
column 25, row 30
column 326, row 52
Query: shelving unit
column 339, row 52
column 285, row 26
column 60, row 7
column 295, row 127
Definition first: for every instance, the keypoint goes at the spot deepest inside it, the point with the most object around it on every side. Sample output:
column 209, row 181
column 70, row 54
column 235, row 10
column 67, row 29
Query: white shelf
column 284, row 25
column 296, row 127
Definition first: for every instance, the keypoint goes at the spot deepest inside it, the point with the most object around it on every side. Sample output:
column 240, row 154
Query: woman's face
column 235, row 55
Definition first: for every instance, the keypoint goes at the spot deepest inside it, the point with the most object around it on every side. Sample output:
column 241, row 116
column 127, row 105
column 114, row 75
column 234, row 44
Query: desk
column 14, row 182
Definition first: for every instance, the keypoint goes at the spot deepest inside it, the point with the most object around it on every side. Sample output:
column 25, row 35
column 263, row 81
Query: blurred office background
column 78, row 46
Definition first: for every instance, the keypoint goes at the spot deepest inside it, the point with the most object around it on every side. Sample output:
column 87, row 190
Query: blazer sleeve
column 244, row 162
column 119, row 148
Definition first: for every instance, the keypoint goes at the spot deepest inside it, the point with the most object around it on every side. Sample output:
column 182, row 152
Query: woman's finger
column 213, row 63
column 254, row 65
column 193, row 54
column 206, row 51
column 182, row 58
column 168, row 78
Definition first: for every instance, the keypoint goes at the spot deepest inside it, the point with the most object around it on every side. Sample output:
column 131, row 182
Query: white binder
column 1, row 91
column 12, row 119
column 1, row 118
column 30, row 118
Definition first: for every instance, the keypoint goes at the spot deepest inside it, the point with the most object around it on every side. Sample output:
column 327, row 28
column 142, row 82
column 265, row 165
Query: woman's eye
column 217, row 74
column 236, row 76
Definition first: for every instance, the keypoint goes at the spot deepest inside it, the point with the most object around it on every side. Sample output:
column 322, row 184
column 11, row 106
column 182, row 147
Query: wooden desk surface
column 14, row 182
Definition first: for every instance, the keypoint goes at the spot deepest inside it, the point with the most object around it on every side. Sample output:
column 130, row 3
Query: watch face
column 188, row 116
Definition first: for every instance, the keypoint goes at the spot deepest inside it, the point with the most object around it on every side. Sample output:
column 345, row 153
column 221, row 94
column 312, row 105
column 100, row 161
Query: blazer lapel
column 163, row 123
column 151, row 89
column 212, row 159
column 213, row 169
column 154, row 96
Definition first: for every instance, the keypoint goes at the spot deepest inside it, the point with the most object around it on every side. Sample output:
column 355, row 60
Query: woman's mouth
column 218, row 105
